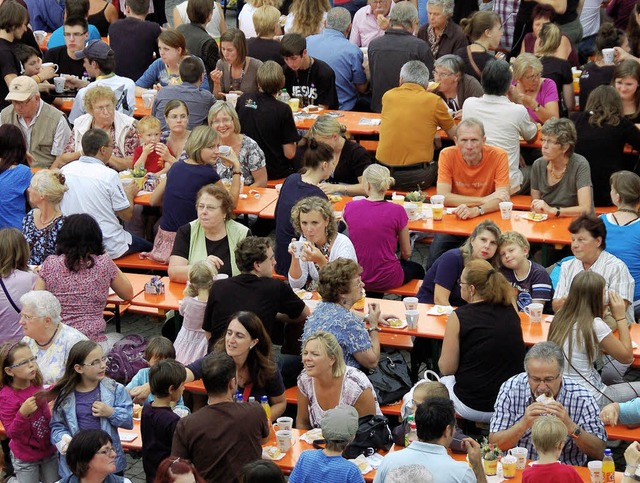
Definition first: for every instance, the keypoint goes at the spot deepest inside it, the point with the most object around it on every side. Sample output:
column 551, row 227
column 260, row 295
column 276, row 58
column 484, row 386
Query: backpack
column 126, row 358
column 372, row 436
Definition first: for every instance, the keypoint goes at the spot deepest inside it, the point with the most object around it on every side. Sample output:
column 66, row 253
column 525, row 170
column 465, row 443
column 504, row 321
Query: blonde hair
column 379, row 177
column 201, row 276
column 262, row 3
column 331, row 348
column 225, row 108
column 308, row 15
column 550, row 38
column 50, row 183
column 201, row 137
column 325, row 127
column 547, row 433
column 265, row 19
column 524, row 62
column 147, row 123
column 489, row 283
column 96, row 94
column 513, row 237
column 322, row 206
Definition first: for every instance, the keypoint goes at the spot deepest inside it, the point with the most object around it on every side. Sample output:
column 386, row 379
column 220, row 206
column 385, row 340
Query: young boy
column 158, row 421
column 146, row 155
column 530, row 279
column 32, row 66
column 549, row 435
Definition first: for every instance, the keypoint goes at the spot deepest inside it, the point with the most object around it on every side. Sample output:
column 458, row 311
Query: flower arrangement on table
column 491, row 453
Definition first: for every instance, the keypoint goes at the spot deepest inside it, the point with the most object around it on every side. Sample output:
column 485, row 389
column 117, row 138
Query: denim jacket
column 64, row 421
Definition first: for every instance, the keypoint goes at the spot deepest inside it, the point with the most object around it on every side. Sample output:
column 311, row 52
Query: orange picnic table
column 132, row 437
column 137, row 281
column 170, row 300
column 139, row 111
column 355, row 122
column 338, row 205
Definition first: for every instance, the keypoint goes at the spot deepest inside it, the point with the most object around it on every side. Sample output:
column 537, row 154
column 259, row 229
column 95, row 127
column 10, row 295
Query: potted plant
column 417, row 197
column 490, row 455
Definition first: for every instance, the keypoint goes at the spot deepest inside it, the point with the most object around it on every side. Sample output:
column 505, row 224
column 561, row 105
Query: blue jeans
column 139, row 245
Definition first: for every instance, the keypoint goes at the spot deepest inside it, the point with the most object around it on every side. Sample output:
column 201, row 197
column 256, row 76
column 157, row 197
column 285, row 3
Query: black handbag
column 373, row 435
column 391, row 378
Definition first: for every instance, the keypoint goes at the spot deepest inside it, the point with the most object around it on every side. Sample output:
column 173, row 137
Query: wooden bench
column 409, row 289
column 134, row 261
column 370, row 145
column 396, row 341
column 273, row 182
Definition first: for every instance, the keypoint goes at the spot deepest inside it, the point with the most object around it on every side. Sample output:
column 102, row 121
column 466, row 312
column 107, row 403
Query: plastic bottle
column 410, row 421
column 412, row 435
column 284, row 96
column 608, row 467
column 240, row 397
column 264, row 402
column 252, row 399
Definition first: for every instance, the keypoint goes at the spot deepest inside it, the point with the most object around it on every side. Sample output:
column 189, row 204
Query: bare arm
column 560, row 6
column 365, row 404
column 122, row 286
column 278, row 405
column 450, row 355
column 178, row 269
column 130, row 190
column 405, row 243
column 569, row 97
column 289, row 150
column 65, row 158
column 158, row 193
column 585, row 196
column 441, row 295
column 302, row 416
column 259, row 178
column 177, row 20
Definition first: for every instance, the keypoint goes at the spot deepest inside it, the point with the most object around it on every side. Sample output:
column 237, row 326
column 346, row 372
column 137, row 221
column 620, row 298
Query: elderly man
column 542, row 390
column 100, row 64
column 44, row 127
column 370, row 22
column 436, row 424
column 332, row 47
column 410, row 118
column 96, row 189
column 504, row 121
column 396, row 47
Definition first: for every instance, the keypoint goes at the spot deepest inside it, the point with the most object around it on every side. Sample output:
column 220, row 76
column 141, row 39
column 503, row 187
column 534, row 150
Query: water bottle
column 410, row 421
column 264, row 402
column 284, row 96
column 252, row 399
column 412, row 435
column 239, row 397
column 608, row 467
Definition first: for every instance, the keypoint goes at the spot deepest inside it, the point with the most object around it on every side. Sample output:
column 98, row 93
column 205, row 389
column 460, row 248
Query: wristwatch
column 480, row 210
column 372, row 329
column 576, row 432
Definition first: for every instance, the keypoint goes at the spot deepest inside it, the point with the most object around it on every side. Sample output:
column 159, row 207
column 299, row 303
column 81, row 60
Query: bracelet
column 39, row 78
column 373, row 329
column 557, row 211
column 239, row 173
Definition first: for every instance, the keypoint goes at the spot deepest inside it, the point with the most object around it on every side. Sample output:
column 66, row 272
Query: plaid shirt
column 507, row 9
column 514, row 397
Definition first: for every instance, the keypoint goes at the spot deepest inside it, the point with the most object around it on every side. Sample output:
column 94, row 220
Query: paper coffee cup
column 505, row 209
column 595, row 471
column 412, row 210
column 521, row 455
column 607, row 55
column 398, row 199
column 231, row 98
column 283, row 439
column 412, row 317
column 298, row 246
column 39, row 35
column 410, row 303
column 437, row 200
column 284, row 423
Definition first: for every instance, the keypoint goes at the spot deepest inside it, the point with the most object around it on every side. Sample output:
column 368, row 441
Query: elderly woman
column 235, row 72
column 80, row 275
column 92, row 458
column 603, row 131
column 554, row 67
column 626, row 79
column 246, row 19
column 381, row 268
column 313, row 218
column 543, row 14
column 177, row 193
column 49, row 339
column 340, row 288
column 42, row 224
column 623, row 226
column 484, row 30
column 472, row 360
column 262, row 45
column 100, row 104
column 537, row 94
column 454, row 85
column 15, row 280
column 213, row 235
column 351, row 157
column 224, row 119
column 15, row 176
column 327, row 382
column 560, row 179
column 441, row 33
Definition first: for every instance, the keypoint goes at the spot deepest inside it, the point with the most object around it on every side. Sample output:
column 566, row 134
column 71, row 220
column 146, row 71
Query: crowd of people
column 492, row 79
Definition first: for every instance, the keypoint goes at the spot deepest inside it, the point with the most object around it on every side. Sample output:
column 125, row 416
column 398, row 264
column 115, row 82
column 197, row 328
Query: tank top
column 99, row 21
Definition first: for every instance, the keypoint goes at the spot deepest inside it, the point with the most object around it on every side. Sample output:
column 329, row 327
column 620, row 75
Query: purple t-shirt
column 84, row 402
column 445, row 272
column 548, row 92
column 376, row 247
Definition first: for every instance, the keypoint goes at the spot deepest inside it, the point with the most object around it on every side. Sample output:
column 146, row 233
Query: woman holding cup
column 235, row 73
column 473, row 359
column 579, row 330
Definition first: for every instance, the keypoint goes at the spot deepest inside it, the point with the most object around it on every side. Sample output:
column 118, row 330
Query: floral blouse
column 251, row 159
column 131, row 142
column 41, row 242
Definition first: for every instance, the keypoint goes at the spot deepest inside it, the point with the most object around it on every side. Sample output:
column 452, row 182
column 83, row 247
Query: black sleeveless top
column 99, row 21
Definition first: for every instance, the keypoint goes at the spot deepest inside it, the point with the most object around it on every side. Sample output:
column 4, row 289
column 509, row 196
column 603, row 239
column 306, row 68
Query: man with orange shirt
column 473, row 177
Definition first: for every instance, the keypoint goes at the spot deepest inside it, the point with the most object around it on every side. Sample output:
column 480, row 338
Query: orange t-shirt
column 480, row 180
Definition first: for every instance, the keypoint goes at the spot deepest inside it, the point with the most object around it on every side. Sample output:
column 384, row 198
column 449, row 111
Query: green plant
column 489, row 451
column 416, row 195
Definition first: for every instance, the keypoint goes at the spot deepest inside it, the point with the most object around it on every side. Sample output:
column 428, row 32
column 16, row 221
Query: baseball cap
column 95, row 49
column 340, row 423
column 22, row 88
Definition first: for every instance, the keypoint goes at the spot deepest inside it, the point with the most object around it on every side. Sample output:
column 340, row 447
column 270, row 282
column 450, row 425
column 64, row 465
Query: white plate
column 440, row 310
column 265, row 455
column 535, row 216
column 127, row 437
column 401, row 326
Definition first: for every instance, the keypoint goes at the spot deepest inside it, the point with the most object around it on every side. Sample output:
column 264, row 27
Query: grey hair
column 447, row 6
column 546, row 351
column 451, row 62
column 44, row 304
column 414, row 71
column 338, row 18
column 564, row 130
column 471, row 122
column 404, row 14
column 414, row 473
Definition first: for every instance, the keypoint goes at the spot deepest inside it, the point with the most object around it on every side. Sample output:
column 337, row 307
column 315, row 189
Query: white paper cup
column 412, row 317
column 224, row 149
column 58, row 82
column 607, row 55
column 278, row 187
column 437, row 200
column 298, row 247
column 126, row 181
column 284, row 440
column 534, row 311
column 410, row 303
column 505, row 209
column 50, row 64
column 39, row 35
column 595, row 471
column 232, row 99
column 221, row 276
column 284, row 423
column 412, row 210
column 399, row 199
column 521, row 454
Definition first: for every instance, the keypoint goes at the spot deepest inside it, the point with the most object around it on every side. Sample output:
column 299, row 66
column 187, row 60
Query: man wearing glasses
column 75, row 36
column 542, row 390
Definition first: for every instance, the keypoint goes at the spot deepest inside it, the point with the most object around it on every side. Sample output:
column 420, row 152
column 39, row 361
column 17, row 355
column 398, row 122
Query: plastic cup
column 224, row 149
column 509, row 466
column 521, row 455
column 298, row 247
column 221, row 276
column 284, row 440
column 410, row 303
column 595, row 471
column 58, row 82
column 278, row 187
column 284, row 423
column 232, row 99
column 294, row 104
column 412, row 317
column 337, row 215
column 398, row 199
column 412, row 210
column 147, row 98
column 607, row 55
column 534, row 311
column 438, row 212
column 39, row 35
column 437, row 200
column 505, row 209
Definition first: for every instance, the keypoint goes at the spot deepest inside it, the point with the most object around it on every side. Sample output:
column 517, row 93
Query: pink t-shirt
column 376, row 245
column 82, row 294
column 548, row 92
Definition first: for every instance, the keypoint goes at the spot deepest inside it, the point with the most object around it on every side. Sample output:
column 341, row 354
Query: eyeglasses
column 70, row 35
column 546, row 380
column 29, row 318
column 97, row 362
column 107, row 451
column 532, row 77
column 32, row 360
column 550, row 141
column 461, row 283
column 443, row 75
column 201, row 207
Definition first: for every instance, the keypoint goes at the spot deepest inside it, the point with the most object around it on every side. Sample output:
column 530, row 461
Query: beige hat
column 22, row 88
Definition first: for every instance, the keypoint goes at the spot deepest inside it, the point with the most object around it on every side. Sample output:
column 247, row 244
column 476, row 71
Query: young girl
column 191, row 343
column 25, row 418
column 86, row 399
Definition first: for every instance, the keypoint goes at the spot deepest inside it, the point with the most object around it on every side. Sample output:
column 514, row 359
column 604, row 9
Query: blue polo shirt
column 344, row 58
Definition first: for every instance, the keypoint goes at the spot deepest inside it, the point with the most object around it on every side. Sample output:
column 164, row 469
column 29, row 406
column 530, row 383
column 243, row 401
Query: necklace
column 480, row 45
column 50, row 340
column 557, row 177
column 628, row 210
column 46, row 223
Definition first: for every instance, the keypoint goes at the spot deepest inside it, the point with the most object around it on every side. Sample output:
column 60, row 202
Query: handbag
column 391, row 378
column 373, row 435
column 162, row 247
